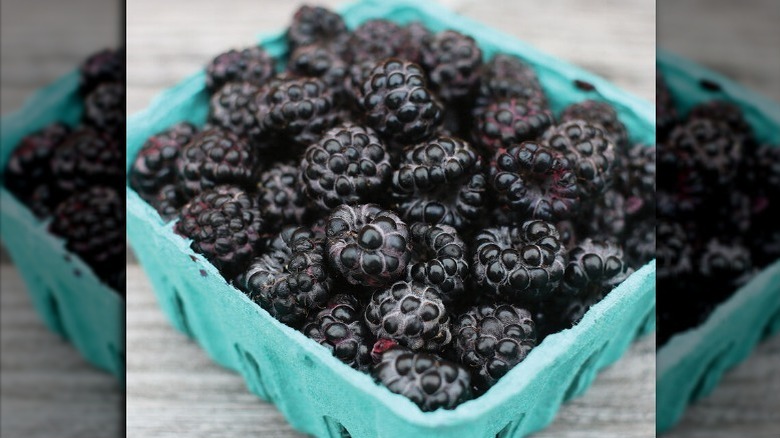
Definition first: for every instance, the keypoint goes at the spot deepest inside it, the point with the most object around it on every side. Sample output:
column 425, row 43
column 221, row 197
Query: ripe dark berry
column 102, row 67
column 349, row 165
column 316, row 25
column 439, row 258
column 518, row 265
column 375, row 40
column 86, row 158
column 505, row 123
column 92, row 222
column 215, row 157
column 590, row 152
column 340, row 328
column 367, row 245
column 674, row 253
column 224, row 225
column 281, row 199
column 491, row 339
column 595, row 267
column 290, row 281
column 104, row 109
column 453, row 62
column 598, row 113
column 155, row 165
column 397, row 102
column 234, row 108
column 725, row 112
column 507, row 77
column 535, row 181
column 439, row 182
column 636, row 180
column 301, row 110
column 319, row 62
column 252, row 65
column 604, row 216
column 168, row 202
column 426, row 379
column 28, row 171
column 640, row 243
column 412, row 314
column 725, row 265
column 708, row 148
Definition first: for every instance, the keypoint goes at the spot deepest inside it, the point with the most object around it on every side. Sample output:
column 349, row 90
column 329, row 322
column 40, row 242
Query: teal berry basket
column 65, row 292
column 317, row 393
column 692, row 363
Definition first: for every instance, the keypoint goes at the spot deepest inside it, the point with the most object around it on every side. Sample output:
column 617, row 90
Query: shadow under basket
column 692, row 363
column 317, row 393
column 65, row 292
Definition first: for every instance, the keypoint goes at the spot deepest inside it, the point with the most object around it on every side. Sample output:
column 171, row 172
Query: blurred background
column 741, row 41
column 173, row 388
column 47, row 389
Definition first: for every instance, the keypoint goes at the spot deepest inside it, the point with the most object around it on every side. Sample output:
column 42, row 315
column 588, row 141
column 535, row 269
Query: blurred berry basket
column 317, row 393
column 692, row 363
column 67, row 294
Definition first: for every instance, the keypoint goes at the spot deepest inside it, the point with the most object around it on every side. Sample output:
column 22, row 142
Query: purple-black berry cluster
column 717, row 207
column 352, row 197
column 74, row 175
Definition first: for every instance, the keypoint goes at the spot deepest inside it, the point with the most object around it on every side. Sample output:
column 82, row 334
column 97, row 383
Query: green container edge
column 317, row 393
column 692, row 363
column 65, row 292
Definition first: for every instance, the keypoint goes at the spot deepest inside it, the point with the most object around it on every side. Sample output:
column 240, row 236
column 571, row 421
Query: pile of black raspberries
column 718, row 204
column 419, row 212
column 75, row 176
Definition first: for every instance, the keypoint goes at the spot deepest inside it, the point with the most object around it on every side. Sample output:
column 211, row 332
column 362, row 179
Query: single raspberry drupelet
column 507, row 77
column 453, row 62
column 397, row 102
column 155, row 165
column 490, row 339
column 349, row 165
column 518, row 265
column 224, row 225
column 375, row 40
column 252, row 65
column 340, row 328
column 534, row 181
column 104, row 109
column 86, row 158
column 102, row 67
column 301, row 110
column 505, row 123
column 367, row 245
column 234, row 108
column 589, row 150
column 439, row 260
column 281, row 199
column 215, row 157
column 709, row 148
column 412, row 314
column 440, row 182
column 636, row 180
column 598, row 113
column 426, row 379
column 290, row 281
column 594, row 268
column 319, row 62
column 317, row 25
column 28, row 170
column 92, row 222
column 722, row 111
column 665, row 110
